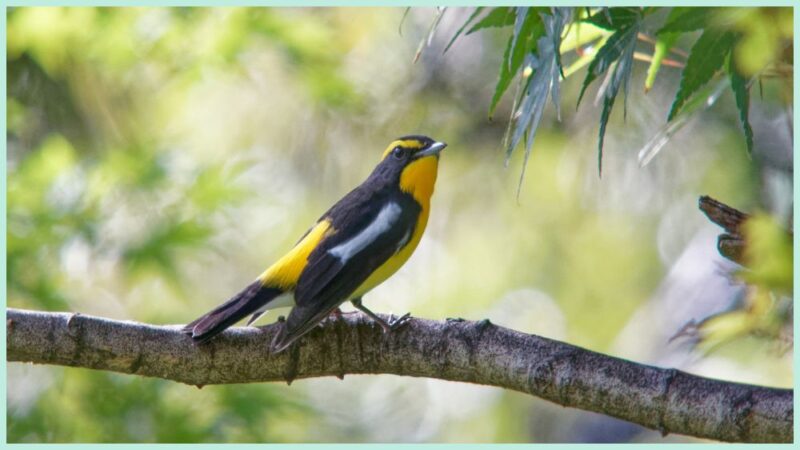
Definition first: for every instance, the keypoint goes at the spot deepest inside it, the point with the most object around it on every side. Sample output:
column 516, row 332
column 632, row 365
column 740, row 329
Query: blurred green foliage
column 159, row 158
column 768, row 254
column 769, row 273
column 126, row 409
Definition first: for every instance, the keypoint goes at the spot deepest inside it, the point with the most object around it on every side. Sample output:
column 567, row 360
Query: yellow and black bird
column 356, row 245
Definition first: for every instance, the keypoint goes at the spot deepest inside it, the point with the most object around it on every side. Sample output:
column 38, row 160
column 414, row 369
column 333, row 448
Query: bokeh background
column 158, row 159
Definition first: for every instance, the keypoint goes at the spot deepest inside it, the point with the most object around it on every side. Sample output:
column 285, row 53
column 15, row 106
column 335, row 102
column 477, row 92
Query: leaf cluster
column 539, row 38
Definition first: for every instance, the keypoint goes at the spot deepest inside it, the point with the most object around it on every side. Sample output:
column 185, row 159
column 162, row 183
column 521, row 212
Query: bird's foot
column 388, row 327
column 394, row 324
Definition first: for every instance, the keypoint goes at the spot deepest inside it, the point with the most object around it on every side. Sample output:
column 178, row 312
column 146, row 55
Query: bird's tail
column 249, row 301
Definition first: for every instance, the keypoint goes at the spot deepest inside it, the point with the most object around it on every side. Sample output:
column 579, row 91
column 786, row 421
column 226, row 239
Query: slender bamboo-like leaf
column 504, row 79
column 619, row 79
column 707, row 56
column 607, row 55
column 663, row 44
column 497, row 17
column 538, row 88
column 608, row 105
column 556, row 38
column 431, row 31
column 542, row 84
column 463, row 27
column 521, row 42
column 686, row 19
column 741, row 93
column 584, row 59
column 613, row 19
column 704, row 99
column 520, row 35
column 403, row 20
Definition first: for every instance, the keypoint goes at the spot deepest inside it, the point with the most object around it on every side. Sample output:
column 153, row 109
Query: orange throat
column 419, row 178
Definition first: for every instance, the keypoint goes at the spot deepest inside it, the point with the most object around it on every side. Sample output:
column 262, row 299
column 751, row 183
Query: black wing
column 369, row 231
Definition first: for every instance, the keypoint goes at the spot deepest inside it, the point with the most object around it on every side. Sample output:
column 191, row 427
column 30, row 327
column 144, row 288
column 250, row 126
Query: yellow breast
column 418, row 179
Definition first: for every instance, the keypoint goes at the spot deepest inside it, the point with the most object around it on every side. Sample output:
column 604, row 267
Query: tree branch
column 730, row 244
column 476, row 352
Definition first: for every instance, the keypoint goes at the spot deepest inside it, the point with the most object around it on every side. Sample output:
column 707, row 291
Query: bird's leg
column 335, row 316
column 337, row 313
column 387, row 326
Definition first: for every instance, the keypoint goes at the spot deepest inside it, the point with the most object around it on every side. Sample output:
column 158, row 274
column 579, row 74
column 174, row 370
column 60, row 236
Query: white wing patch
column 281, row 301
column 385, row 219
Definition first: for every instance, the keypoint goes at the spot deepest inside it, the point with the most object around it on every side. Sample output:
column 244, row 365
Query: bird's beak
column 434, row 149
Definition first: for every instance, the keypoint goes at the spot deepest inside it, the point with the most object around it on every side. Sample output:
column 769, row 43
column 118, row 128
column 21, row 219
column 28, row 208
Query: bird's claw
column 394, row 324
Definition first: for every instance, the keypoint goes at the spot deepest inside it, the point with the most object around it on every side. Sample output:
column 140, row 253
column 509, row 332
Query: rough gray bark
column 476, row 352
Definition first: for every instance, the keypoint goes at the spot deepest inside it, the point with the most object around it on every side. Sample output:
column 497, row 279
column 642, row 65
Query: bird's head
column 407, row 149
column 412, row 162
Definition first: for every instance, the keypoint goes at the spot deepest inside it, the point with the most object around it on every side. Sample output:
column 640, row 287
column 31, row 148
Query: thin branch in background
column 646, row 38
column 639, row 56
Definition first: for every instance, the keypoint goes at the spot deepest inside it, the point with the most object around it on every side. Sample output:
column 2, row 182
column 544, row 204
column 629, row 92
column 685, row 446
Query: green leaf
column 522, row 42
column 503, row 80
column 526, row 33
column 463, row 26
column 707, row 56
column 617, row 52
column 582, row 60
column 742, row 94
column 606, row 56
column 614, row 18
column 608, row 105
column 497, row 17
column 619, row 78
column 663, row 44
column 686, row 19
column 520, row 35
column 544, row 82
column 556, row 40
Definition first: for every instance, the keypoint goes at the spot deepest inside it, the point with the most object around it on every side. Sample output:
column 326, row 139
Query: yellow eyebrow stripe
column 407, row 143
column 286, row 271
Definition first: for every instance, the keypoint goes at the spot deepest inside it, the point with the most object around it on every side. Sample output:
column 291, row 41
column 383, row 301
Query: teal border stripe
column 3, row 198
column 400, row 3
column 795, row 143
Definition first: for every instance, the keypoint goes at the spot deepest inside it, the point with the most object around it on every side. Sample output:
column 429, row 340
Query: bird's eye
column 399, row 152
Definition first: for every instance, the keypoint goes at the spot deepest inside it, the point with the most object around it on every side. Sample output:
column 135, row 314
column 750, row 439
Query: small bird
column 355, row 246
